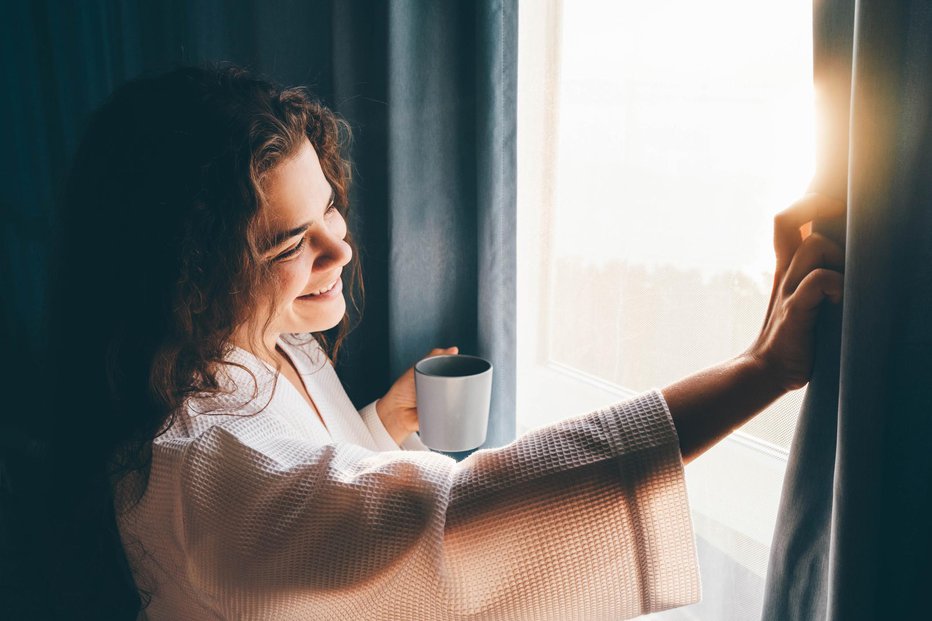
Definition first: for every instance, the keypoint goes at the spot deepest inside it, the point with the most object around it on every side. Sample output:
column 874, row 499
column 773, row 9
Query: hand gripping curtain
column 853, row 537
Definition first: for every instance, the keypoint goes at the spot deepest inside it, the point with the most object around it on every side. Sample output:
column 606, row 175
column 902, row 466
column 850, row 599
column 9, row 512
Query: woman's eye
column 297, row 247
column 292, row 251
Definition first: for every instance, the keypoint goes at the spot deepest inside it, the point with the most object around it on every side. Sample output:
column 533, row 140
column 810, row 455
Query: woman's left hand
column 398, row 408
column 809, row 270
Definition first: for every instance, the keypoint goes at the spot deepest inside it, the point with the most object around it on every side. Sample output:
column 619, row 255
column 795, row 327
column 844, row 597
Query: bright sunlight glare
column 684, row 128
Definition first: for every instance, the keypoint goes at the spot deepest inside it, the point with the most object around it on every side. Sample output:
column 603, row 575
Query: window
column 656, row 142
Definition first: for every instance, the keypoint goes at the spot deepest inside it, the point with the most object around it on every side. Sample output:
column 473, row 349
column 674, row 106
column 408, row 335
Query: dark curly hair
column 159, row 260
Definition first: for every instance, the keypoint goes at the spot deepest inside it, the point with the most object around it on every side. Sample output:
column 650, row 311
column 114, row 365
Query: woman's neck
column 269, row 353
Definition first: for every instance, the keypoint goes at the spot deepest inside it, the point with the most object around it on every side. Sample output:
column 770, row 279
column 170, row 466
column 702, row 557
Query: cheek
column 292, row 279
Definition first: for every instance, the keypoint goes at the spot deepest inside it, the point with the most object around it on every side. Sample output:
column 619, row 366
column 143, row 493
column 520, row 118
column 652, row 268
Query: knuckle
column 824, row 245
column 825, row 275
column 816, row 245
column 823, row 278
column 815, row 277
column 791, row 306
column 817, row 239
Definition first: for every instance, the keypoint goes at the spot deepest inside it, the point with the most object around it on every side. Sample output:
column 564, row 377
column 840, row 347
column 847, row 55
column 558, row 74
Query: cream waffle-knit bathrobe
column 272, row 515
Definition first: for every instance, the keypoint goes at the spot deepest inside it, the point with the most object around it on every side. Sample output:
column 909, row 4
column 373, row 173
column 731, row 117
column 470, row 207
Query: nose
column 333, row 251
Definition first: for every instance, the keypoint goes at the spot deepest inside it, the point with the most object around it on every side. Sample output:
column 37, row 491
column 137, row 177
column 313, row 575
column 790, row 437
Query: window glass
column 657, row 140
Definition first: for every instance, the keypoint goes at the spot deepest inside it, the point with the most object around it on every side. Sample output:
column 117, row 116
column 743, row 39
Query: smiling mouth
column 329, row 291
column 325, row 289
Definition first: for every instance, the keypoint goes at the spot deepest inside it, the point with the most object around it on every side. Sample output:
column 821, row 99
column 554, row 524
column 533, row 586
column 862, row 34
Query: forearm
column 710, row 404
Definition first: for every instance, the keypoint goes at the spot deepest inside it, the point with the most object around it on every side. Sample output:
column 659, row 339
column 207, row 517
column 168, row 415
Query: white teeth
column 325, row 290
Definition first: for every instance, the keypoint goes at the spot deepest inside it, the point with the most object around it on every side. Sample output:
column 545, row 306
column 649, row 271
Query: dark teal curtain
column 853, row 539
column 430, row 90
column 434, row 89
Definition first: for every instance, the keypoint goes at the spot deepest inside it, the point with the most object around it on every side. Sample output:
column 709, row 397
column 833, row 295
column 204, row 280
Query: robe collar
column 316, row 371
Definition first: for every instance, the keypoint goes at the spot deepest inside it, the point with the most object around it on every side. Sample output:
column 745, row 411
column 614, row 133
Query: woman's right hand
column 398, row 408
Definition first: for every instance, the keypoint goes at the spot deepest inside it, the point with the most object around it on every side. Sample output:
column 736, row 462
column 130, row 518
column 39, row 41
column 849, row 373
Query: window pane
column 657, row 140
column 683, row 128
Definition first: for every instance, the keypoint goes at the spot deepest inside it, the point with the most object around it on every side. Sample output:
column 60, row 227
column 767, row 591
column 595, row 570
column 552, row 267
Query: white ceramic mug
column 454, row 393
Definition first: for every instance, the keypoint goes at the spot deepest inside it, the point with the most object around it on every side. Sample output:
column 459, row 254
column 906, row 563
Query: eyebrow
column 283, row 236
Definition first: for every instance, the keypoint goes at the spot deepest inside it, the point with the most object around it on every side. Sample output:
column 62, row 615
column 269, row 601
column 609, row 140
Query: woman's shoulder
column 243, row 398
column 249, row 400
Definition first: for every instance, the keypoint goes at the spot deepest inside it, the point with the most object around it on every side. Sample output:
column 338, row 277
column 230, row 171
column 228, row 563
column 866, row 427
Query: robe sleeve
column 383, row 439
column 583, row 519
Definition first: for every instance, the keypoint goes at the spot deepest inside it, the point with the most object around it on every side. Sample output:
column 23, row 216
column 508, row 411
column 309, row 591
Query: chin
column 323, row 320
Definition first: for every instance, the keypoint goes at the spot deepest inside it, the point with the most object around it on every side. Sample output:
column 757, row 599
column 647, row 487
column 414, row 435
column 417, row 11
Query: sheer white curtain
column 656, row 142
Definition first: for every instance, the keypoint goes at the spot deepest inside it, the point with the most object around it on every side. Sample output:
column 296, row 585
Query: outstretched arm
column 710, row 404
column 586, row 518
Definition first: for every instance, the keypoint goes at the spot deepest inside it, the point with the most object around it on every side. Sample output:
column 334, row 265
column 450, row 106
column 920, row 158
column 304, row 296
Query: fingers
column 787, row 236
column 439, row 351
column 815, row 251
column 816, row 286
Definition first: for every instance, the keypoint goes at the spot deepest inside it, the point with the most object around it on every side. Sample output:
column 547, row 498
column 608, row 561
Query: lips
column 324, row 289
column 329, row 285
column 333, row 292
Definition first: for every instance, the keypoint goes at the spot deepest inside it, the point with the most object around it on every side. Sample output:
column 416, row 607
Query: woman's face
column 307, row 253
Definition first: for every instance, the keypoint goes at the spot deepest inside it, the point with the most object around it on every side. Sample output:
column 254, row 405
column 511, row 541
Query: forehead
column 296, row 189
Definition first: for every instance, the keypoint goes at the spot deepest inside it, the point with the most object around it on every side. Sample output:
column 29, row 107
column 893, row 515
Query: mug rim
column 418, row 371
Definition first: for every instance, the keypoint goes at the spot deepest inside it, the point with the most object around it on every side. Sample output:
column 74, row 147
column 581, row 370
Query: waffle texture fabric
column 255, row 512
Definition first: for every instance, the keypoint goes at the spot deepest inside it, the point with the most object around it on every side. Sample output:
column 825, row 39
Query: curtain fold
column 445, row 193
column 852, row 539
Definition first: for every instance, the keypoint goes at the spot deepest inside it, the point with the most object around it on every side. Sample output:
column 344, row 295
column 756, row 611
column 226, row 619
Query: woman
column 199, row 304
